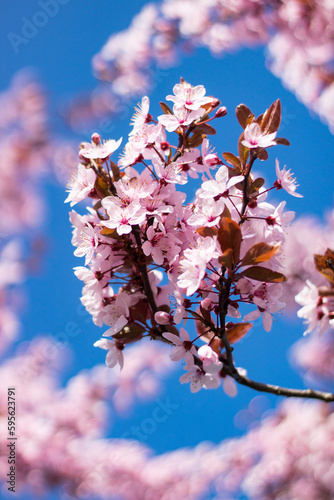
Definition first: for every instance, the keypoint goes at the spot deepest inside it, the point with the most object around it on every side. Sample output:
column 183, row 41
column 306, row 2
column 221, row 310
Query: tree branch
column 282, row 391
column 245, row 187
column 142, row 268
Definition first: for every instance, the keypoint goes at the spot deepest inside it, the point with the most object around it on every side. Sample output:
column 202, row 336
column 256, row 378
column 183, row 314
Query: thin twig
column 282, row 391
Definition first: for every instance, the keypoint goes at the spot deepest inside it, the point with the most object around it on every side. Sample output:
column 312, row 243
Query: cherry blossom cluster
column 153, row 261
column 299, row 36
column 310, row 272
column 318, row 302
column 310, row 282
column 298, row 254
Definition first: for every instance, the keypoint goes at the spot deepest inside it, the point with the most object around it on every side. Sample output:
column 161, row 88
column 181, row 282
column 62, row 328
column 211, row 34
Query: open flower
column 317, row 311
column 188, row 96
column 220, row 185
column 81, row 184
column 184, row 348
column 122, row 218
column 140, row 116
column 117, row 314
column 181, row 117
column 102, row 151
column 115, row 352
column 198, row 378
column 286, row 181
column 193, row 265
column 210, row 359
column 88, row 243
column 255, row 138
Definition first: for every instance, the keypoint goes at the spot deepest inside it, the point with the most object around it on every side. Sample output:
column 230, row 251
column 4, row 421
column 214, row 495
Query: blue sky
column 60, row 53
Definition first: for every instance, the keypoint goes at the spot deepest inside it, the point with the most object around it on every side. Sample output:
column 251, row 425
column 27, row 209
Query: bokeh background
column 60, row 55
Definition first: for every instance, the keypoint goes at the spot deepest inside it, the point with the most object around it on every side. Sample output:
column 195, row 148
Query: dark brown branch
column 282, row 391
column 224, row 293
column 143, row 271
column 142, row 268
column 245, row 200
column 229, row 367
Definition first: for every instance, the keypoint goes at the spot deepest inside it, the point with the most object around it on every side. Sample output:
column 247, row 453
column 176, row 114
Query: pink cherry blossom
column 188, row 96
column 267, row 297
column 193, row 265
column 286, row 181
column 81, row 184
column 160, row 245
column 317, row 311
column 115, row 353
column 181, row 117
column 122, row 218
column 162, row 318
column 219, row 186
column 101, row 151
column 207, row 213
column 211, row 363
column 255, row 138
column 116, row 313
column 184, row 348
column 140, row 116
column 199, row 379
column 89, row 243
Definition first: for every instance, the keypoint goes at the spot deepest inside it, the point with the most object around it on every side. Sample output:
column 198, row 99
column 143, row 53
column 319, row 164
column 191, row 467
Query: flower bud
column 162, row 318
column 222, row 111
column 207, row 304
column 164, row 145
column 212, row 160
column 96, row 138
column 215, row 103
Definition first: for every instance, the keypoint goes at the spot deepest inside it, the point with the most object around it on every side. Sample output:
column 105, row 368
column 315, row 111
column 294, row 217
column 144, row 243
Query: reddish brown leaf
column 229, row 237
column 259, row 252
column 111, row 233
column 255, row 185
column 272, row 118
column 130, row 333
column 325, row 265
column 226, row 213
column 237, row 331
column 226, row 260
column 216, row 345
column 281, row 140
column 195, row 140
column 205, row 128
column 259, row 119
column 262, row 155
column 207, row 231
column 165, row 108
column 206, row 315
column 233, row 160
column 242, row 113
column 263, row 274
column 101, row 186
column 140, row 311
column 243, row 152
column 117, row 174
